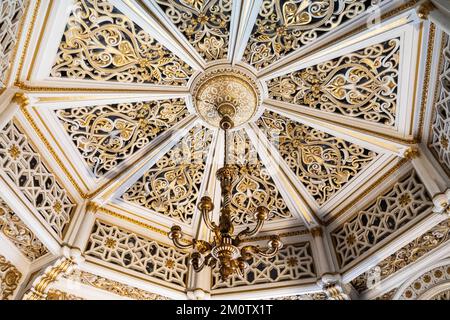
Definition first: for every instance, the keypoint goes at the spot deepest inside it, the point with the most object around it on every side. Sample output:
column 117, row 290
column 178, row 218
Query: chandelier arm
column 177, row 242
column 207, row 220
column 249, row 233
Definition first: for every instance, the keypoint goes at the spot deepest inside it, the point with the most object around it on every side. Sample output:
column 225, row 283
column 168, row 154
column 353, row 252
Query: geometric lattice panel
column 293, row 262
column 171, row 186
column 361, row 85
column 131, row 251
column 100, row 43
column 406, row 200
column 106, row 135
column 24, row 167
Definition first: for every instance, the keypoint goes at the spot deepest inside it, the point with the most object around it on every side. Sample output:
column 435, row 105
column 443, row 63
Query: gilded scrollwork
column 307, row 296
column 106, row 135
column 30, row 174
column 126, row 249
column 440, row 136
column 112, row 286
column 362, row 84
column 293, row 262
column 409, row 253
column 284, row 26
column 100, row 43
column 9, row 278
column 323, row 163
column 55, row 294
column 406, row 200
column 254, row 186
column 171, row 186
column 205, row 24
column 19, row 234
column 11, row 13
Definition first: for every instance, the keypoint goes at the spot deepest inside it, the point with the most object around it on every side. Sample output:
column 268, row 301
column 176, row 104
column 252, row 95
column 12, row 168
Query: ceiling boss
column 226, row 98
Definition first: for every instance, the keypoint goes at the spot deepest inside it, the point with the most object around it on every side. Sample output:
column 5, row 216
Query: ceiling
column 109, row 150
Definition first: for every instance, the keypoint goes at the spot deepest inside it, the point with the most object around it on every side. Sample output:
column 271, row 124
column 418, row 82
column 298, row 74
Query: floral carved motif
column 284, row 26
column 25, row 168
column 362, row 84
column 100, row 43
column 19, row 234
column 171, row 186
column 205, row 23
column 323, row 163
column 9, row 278
column 107, row 135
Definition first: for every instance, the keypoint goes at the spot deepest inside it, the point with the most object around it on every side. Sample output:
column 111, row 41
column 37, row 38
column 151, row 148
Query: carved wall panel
column 25, row 168
column 387, row 296
column 54, row 294
column 425, row 282
column 444, row 295
column 113, row 286
column 171, row 187
column 408, row 254
column 100, row 43
column 107, row 135
column 323, row 163
column 284, row 26
column 309, row 296
column 129, row 250
column 11, row 13
column 205, row 23
column 362, row 84
column 440, row 137
column 19, row 234
column 254, row 186
column 293, row 262
column 406, row 200
column 9, row 278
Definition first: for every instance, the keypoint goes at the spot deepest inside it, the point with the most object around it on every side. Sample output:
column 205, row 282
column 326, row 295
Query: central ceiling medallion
column 226, row 91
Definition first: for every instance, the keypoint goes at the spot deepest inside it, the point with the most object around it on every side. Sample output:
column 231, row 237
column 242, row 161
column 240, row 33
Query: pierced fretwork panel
column 362, row 84
column 205, row 23
column 19, row 234
column 284, row 26
column 11, row 13
column 406, row 200
column 100, row 43
column 254, row 186
column 9, row 278
column 171, row 187
column 129, row 250
column 293, row 262
column 25, row 168
column 106, row 135
column 323, row 163
column 440, row 136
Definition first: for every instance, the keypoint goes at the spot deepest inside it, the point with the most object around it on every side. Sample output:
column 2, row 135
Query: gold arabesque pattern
column 171, row 186
column 362, row 84
column 205, row 24
column 100, row 43
column 284, row 26
column 10, row 277
column 106, row 135
column 323, row 163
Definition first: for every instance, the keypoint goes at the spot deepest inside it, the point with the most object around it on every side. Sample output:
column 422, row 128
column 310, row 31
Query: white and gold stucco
column 108, row 137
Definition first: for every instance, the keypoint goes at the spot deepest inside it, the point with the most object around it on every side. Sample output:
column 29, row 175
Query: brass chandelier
column 225, row 248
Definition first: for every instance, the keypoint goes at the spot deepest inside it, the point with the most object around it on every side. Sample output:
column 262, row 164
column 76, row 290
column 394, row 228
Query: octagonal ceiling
column 111, row 125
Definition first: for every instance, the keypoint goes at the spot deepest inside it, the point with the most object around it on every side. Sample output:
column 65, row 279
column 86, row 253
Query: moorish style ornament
column 100, row 43
column 9, row 278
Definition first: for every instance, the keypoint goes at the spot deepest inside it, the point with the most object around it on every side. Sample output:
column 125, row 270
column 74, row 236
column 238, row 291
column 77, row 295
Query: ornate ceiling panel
column 440, row 137
column 254, row 186
column 406, row 200
column 171, row 186
column 204, row 23
column 11, row 12
column 106, row 135
column 25, row 168
column 309, row 296
column 408, row 254
column 100, row 43
column 427, row 281
column 293, row 262
column 362, row 84
column 124, row 248
column 284, row 26
column 323, row 163
column 9, row 278
column 19, row 234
